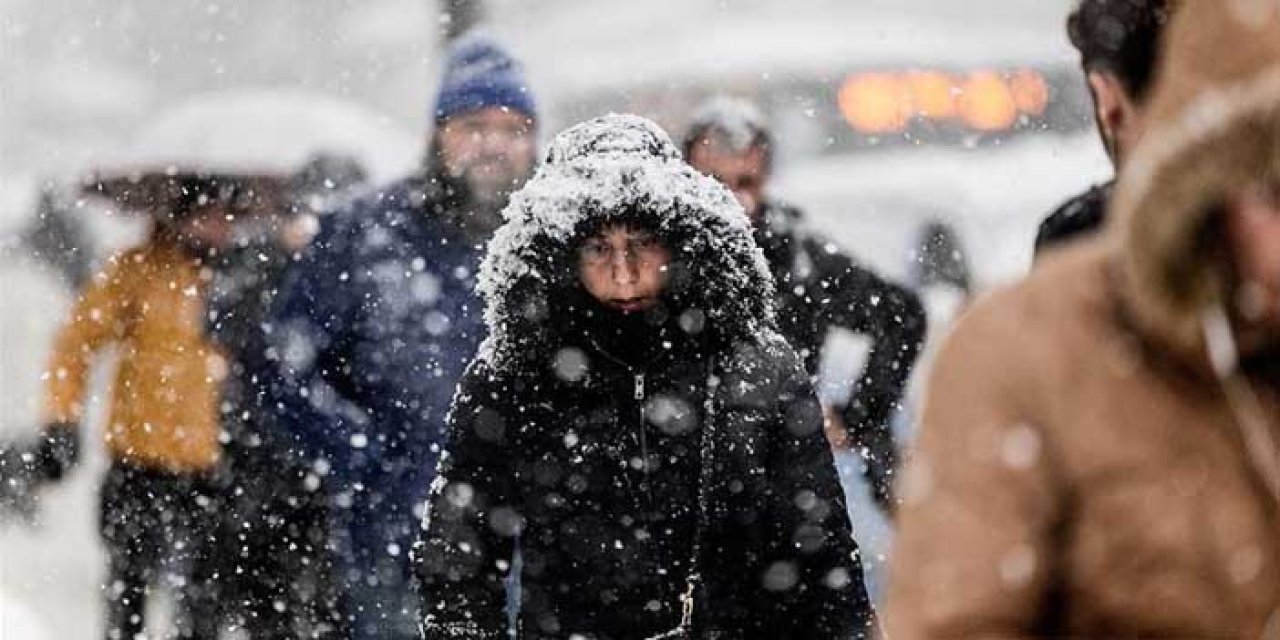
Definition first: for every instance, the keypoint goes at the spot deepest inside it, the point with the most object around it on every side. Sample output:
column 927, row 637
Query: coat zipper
column 644, row 440
column 639, row 393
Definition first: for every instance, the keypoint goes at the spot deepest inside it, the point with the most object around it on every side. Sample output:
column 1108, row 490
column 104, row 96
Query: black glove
column 58, row 451
column 18, row 482
column 17, row 494
column 32, row 462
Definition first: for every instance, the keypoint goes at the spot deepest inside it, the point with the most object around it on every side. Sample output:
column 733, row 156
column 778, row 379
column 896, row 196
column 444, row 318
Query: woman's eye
column 594, row 251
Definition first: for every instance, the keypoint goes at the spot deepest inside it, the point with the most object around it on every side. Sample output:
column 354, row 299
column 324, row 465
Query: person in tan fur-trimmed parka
column 1098, row 455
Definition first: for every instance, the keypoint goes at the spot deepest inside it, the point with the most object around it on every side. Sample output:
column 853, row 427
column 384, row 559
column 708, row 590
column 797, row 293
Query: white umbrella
column 264, row 132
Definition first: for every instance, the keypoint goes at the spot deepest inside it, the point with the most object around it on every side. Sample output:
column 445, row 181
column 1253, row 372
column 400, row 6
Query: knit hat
column 479, row 73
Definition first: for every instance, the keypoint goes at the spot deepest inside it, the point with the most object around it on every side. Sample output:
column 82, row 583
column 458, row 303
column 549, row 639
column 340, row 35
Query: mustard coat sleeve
column 99, row 318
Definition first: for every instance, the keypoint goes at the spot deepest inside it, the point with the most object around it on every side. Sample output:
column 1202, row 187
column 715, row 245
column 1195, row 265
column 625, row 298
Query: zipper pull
column 686, row 602
column 639, row 386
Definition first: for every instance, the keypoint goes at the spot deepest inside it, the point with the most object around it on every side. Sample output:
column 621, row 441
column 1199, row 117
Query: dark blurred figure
column 56, row 238
column 277, row 576
column 159, row 496
column 379, row 318
column 1119, row 43
column 1100, row 452
column 941, row 276
column 326, row 183
column 941, row 259
column 819, row 287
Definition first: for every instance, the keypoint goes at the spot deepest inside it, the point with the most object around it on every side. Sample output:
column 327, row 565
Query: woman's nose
column 624, row 268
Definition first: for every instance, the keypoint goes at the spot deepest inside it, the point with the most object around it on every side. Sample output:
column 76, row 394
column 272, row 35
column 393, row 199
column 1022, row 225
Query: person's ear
column 1115, row 111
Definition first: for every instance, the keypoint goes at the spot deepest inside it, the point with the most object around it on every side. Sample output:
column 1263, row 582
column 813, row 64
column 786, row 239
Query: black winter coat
column 820, row 288
column 1076, row 218
column 607, row 456
column 598, row 481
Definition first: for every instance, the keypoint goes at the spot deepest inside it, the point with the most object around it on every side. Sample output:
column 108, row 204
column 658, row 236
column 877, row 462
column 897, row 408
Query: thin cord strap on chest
column 705, row 466
column 1250, row 414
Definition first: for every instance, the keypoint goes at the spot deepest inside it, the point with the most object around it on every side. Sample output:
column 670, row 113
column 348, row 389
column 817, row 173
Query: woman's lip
column 633, row 304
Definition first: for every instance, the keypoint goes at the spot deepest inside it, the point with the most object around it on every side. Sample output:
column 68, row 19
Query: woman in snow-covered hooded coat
column 626, row 453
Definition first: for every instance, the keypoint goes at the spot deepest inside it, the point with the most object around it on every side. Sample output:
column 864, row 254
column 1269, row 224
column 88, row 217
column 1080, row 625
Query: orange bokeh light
column 875, row 103
column 932, row 94
column 879, row 103
column 986, row 102
column 1030, row 92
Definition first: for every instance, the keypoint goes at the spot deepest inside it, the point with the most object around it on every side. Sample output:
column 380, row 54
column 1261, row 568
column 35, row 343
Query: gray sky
column 83, row 76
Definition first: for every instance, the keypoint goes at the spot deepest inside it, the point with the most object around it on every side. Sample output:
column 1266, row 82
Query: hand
column 18, row 482
column 298, row 232
column 835, row 428
column 878, row 461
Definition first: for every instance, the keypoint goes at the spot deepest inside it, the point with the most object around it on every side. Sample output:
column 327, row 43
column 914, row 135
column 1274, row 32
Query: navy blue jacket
column 369, row 338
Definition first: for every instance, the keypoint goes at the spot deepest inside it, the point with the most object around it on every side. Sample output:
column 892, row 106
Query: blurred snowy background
column 84, row 84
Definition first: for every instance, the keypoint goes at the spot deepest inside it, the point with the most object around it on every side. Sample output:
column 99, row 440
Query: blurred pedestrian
column 1099, row 450
column 820, row 287
column 635, row 424
column 58, row 239
column 162, row 432
column 1119, row 45
column 941, row 275
column 276, row 573
column 373, row 330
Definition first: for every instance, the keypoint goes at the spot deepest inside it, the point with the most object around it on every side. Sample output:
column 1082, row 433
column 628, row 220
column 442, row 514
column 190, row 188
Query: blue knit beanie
column 478, row 74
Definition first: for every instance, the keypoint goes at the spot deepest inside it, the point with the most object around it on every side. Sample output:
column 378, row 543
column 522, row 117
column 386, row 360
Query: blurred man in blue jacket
column 372, row 332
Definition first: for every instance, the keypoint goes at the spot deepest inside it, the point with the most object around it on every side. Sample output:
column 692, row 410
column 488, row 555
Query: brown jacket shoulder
column 1070, row 481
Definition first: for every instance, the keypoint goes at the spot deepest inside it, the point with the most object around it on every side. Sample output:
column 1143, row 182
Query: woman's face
column 624, row 268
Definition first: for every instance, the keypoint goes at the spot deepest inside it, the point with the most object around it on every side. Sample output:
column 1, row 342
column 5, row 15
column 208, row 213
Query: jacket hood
column 620, row 168
column 1213, row 126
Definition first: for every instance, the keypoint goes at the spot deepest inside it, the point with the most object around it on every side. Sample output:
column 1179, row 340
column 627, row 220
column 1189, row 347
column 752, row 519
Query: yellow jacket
column 148, row 302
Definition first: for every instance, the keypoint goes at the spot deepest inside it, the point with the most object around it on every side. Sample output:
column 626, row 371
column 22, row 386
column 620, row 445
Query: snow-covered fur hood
column 620, row 168
column 1213, row 126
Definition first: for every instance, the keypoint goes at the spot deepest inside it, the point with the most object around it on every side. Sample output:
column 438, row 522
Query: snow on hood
column 608, row 168
column 1213, row 126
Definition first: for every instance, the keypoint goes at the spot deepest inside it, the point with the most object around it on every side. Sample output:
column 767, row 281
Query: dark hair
column 631, row 218
column 703, row 133
column 726, row 119
column 1121, row 37
column 189, row 194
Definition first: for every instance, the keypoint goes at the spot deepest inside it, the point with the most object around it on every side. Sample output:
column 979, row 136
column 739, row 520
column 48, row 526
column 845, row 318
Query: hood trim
column 1167, row 195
